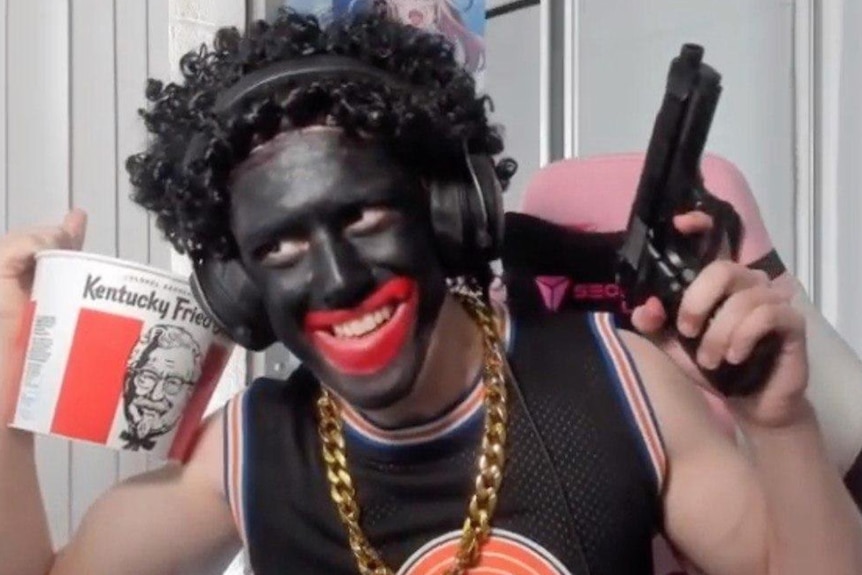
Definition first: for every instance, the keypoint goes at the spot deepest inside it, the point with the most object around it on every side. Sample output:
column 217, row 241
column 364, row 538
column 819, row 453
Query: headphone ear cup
column 468, row 217
column 486, row 207
column 224, row 290
column 447, row 219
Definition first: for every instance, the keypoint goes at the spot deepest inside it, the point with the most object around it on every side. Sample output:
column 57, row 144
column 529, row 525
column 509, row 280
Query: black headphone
column 466, row 216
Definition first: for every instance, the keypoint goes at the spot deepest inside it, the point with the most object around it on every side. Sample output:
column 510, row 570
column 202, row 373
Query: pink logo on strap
column 553, row 290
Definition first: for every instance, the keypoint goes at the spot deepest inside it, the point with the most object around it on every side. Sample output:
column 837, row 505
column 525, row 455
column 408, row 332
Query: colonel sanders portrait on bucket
column 160, row 375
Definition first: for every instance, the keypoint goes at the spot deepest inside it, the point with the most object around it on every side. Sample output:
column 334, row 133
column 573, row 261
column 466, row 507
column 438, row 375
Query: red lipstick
column 368, row 353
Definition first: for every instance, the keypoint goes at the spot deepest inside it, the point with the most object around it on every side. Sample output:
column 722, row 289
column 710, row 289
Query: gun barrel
column 703, row 101
column 668, row 129
column 672, row 163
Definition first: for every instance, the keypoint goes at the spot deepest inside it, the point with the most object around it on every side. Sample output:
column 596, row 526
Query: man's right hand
column 18, row 262
column 178, row 515
column 25, row 543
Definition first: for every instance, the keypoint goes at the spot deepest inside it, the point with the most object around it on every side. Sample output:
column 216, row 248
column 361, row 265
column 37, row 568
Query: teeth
column 364, row 325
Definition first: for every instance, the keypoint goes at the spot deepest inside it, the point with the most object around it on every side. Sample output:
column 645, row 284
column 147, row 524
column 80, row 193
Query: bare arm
column 781, row 509
column 171, row 521
column 25, row 541
column 835, row 388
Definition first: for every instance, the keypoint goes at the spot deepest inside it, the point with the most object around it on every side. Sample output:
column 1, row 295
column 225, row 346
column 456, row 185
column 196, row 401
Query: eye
column 173, row 385
column 371, row 220
column 146, row 378
column 284, row 252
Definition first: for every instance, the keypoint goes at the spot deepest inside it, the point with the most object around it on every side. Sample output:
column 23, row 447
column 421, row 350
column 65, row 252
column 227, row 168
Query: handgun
column 655, row 258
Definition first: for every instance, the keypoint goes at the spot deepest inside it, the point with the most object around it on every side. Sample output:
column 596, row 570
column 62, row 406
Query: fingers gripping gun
column 655, row 258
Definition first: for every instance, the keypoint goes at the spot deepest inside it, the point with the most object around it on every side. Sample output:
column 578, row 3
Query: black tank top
column 580, row 491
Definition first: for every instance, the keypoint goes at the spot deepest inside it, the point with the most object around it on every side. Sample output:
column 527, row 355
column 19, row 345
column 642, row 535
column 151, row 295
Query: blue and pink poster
column 462, row 21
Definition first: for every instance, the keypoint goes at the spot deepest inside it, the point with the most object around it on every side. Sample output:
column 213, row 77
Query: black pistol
column 655, row 259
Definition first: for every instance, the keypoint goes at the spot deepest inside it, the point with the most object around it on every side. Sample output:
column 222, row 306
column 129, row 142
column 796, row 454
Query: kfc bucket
column 116, row 354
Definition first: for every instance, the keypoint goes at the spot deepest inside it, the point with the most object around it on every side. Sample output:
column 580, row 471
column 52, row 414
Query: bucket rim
column 74, row 254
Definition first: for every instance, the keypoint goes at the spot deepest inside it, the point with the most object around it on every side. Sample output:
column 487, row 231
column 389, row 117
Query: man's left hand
column 751, row 309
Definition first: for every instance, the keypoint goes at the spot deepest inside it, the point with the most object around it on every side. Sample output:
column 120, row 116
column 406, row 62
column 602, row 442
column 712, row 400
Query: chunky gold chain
column 477, row 525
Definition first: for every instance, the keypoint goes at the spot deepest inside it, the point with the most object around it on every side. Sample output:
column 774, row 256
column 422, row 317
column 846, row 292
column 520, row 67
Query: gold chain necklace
column 477, row 525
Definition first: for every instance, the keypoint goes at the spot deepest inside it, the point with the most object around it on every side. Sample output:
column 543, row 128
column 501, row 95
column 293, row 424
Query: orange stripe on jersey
column 637, row 400
column 234, row 463
column 439, row 427
column 419, row 433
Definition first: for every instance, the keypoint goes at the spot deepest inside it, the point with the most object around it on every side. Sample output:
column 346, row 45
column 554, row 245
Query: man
column 425, row 431
column 163, row 367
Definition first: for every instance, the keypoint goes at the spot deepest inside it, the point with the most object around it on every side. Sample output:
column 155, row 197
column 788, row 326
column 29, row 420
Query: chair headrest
column 595, row 194
column 560, row 247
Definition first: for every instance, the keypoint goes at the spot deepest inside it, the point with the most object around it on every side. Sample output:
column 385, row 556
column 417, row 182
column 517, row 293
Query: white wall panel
column 132, row 233
column 74, row 74
column 3, row 136
column 624, row 51
column 845, row 258
column 94, row 188
column 37, row 171
column 158, row 67
column 512, row 80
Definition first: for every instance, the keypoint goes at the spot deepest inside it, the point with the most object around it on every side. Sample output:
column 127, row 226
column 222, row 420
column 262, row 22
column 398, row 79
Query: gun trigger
column 703, row 201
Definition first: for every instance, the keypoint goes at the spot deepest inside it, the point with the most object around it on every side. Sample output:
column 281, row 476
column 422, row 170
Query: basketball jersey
column 581, row 485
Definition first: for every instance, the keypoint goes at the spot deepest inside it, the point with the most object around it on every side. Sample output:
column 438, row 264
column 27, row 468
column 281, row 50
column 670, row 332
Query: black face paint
column 338, row 237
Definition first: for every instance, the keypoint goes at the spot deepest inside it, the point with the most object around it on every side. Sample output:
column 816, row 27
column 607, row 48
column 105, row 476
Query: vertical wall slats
column 831, row 248
column 132, row 221
column 3, row 136
column 514, row 82
column 625, row 49
column 805, row 266
column 37, row 132
column 74, row 76
column 94, row 469
column 158, row 66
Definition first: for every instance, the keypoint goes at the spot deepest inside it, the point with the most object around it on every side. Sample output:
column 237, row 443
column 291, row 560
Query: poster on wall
column 461, row 21
column 320, row 8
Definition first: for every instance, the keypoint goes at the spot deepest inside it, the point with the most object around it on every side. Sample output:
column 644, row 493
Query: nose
column 340, row 278
column 158, row 391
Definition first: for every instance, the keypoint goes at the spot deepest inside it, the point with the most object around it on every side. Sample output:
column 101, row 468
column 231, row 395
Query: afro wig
column 426, row 125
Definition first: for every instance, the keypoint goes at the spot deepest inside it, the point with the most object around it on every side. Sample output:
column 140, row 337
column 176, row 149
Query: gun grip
column 746, row 378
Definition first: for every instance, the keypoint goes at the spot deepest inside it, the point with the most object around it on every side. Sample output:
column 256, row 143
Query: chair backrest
column 594, row 195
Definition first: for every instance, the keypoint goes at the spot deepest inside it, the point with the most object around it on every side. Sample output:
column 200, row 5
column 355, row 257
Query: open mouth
column 150, row 411
column 363, row 340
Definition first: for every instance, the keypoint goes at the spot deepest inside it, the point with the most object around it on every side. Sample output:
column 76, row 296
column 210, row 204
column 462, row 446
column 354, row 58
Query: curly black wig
column 425, row 126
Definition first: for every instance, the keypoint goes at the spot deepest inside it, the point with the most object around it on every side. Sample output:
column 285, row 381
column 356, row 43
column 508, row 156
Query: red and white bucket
column 117, row 354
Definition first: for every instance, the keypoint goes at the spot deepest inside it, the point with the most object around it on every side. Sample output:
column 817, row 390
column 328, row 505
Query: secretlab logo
column 556, row 290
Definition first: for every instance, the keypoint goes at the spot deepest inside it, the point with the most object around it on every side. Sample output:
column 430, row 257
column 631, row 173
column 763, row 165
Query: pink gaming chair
column 559, row 267
column 595, row 195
